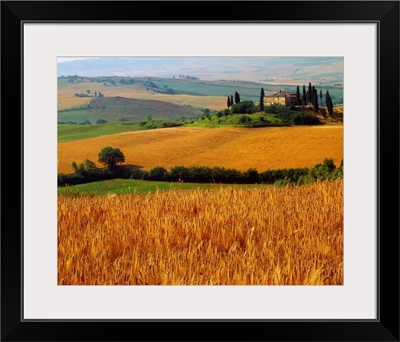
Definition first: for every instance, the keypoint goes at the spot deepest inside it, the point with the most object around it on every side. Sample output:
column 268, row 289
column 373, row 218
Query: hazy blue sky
column 259, row 69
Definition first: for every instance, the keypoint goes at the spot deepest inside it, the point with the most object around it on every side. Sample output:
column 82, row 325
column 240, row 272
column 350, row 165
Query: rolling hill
column 239, row 148
column 114, row 109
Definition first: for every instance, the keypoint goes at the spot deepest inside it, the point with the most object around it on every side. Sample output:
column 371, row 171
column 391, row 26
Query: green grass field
column 203, row 89
column 128, row 186
column 78, row 132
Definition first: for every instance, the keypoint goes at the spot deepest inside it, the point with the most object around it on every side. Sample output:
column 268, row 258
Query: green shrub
column 158, row 174
column 138, row 174
column 282, row 182
column 86, row 122
column 244, row 119
column 305, row 119
column 244, row 107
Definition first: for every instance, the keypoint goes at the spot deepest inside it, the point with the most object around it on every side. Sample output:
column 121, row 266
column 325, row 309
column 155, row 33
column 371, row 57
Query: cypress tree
column 309, row 95
column 237, row 97
column 330, row 107
column 314, row 96
column 304, row 95
column 320, row 95
column 329, row 104
column 262, row 94
column 316, row 108
column 298, row 95
column 228, row 102
column 232, row 100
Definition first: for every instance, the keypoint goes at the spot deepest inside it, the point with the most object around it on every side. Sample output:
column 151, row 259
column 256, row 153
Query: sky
column 256, row 69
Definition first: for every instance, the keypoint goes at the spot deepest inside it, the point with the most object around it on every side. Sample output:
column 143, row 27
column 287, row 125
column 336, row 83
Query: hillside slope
column 239, row 148
column 114, row 109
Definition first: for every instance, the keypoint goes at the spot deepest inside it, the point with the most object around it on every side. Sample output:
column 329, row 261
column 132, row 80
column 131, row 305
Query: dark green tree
column 309, row 97
column 237, row 97
column 228, row 102
column 158, row 173
column 110, row 157
column 330, row 107
column 298, row 96
column 90, row 166
column 304, row 95
column 232, row 100
column 329, row 104
column 244, row 107
column 315, row 104
column 74, row 167
column 262, row 94
column 329, row 164
column 327, row 100
column 320, row 95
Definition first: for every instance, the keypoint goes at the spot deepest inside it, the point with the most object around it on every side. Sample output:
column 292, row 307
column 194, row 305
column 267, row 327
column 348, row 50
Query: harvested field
column 66, row 98
column 239, row 148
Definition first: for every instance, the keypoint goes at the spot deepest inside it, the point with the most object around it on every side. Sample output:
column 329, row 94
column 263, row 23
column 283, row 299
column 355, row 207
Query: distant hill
column 115, row 109
column 264, row 69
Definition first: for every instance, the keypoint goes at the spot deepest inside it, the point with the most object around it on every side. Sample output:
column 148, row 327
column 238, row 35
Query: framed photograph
column 232, row 169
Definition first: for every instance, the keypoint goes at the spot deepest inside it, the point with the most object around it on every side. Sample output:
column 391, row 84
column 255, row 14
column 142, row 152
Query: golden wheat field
column 269, row 236
column 237, row 148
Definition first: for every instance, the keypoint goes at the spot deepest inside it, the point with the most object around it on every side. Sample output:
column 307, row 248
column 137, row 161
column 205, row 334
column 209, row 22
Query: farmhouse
column 282, row 97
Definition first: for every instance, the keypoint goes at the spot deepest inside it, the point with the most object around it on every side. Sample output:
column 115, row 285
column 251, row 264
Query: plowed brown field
column 239, row 148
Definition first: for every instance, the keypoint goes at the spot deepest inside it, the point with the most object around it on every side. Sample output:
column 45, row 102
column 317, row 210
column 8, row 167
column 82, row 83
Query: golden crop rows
column 270, row 236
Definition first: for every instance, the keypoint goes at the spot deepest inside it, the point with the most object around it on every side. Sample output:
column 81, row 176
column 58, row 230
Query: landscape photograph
column 200, row 170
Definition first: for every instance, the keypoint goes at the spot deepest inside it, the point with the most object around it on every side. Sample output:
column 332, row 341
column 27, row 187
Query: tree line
column 308, row 97
column 110, row 157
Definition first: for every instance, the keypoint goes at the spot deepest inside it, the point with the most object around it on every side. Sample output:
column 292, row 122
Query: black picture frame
column 385, row 328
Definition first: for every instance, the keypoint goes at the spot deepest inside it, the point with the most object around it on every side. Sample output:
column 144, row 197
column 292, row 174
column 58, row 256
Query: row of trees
column 87, row 94
column 233, row 100
column 110, row 158
column 88, row 172
column 309, row 97
column 86, row 122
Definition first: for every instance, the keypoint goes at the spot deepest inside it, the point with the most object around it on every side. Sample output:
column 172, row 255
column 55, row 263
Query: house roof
column 282, row 94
